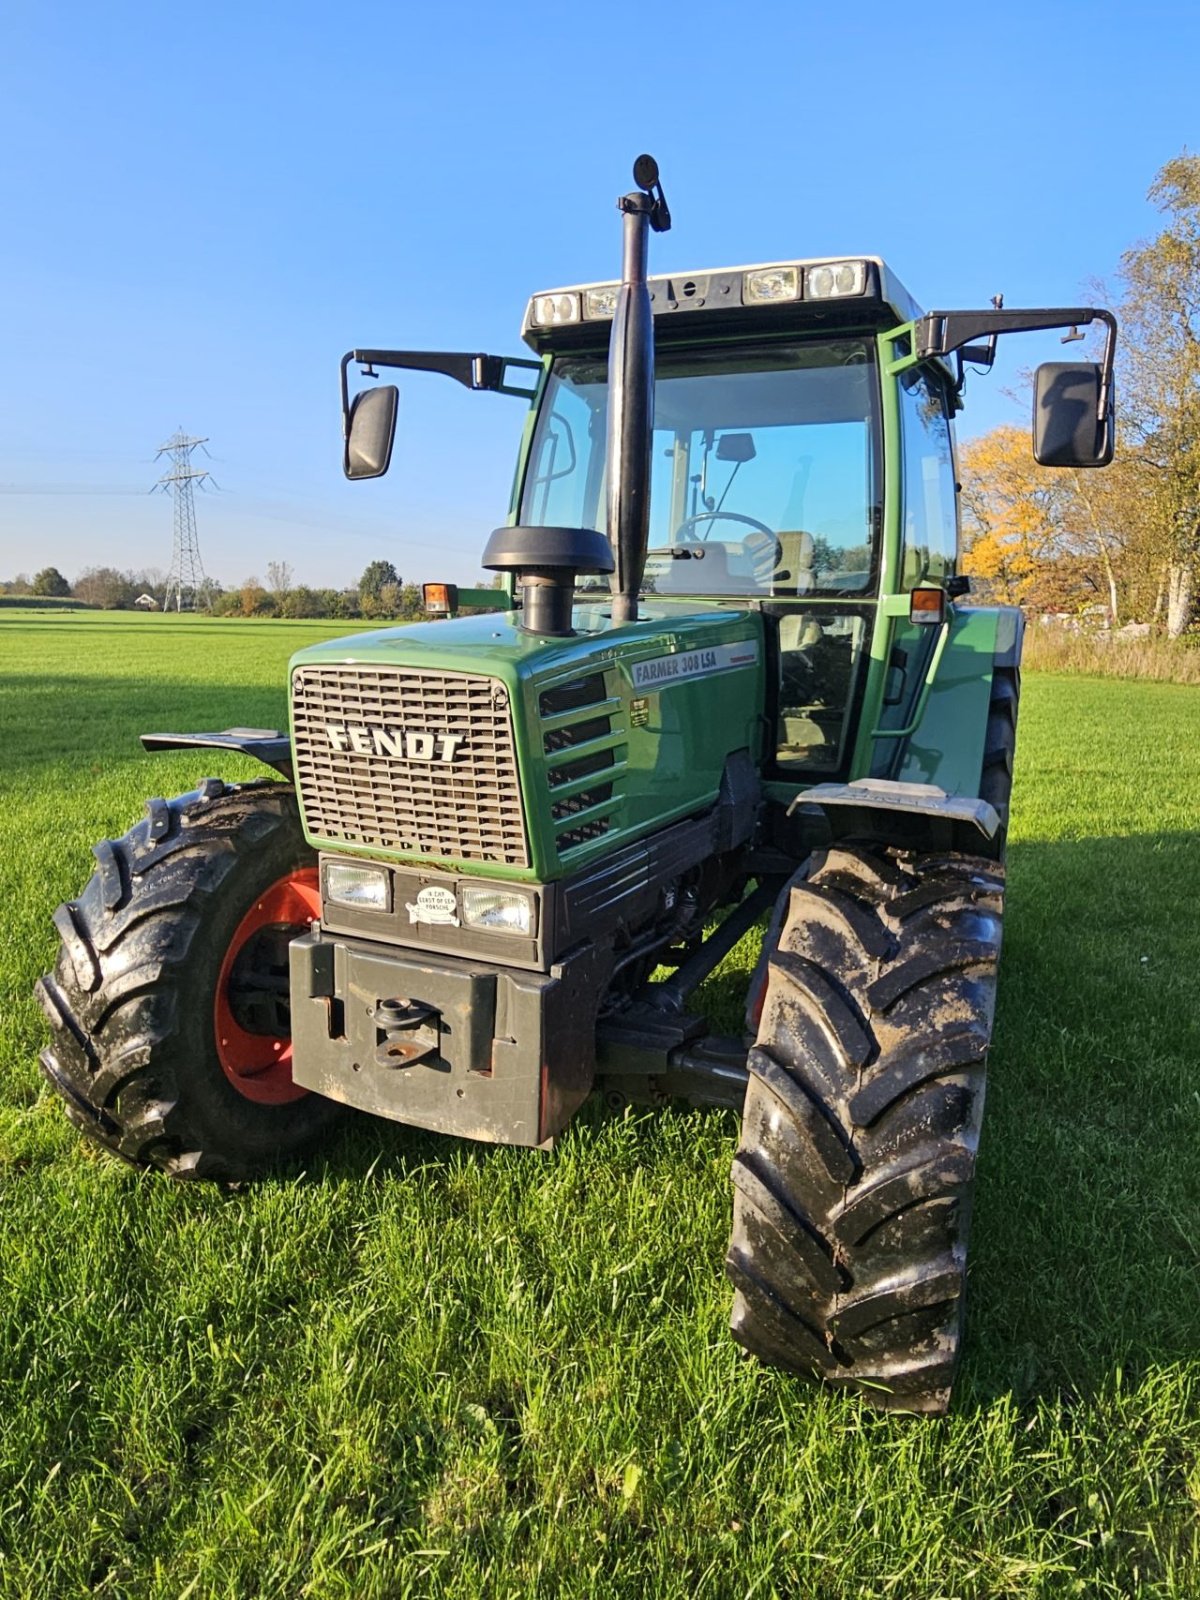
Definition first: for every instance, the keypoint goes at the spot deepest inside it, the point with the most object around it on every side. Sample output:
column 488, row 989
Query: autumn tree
column 1012, row 513
column 1159, row 385
column 1109, row 516
column 255, row 601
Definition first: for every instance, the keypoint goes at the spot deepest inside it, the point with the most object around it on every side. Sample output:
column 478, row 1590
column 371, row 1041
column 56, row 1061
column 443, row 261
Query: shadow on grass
column 1086, row 1237
column 1087, row 1224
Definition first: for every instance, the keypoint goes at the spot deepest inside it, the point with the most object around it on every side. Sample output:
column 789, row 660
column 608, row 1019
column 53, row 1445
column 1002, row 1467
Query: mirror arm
column 343, row 371
column 1107, row 363
column 941, row 333
column 473, row 371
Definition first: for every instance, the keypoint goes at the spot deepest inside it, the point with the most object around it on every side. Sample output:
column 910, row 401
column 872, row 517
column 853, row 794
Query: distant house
column 146, row 602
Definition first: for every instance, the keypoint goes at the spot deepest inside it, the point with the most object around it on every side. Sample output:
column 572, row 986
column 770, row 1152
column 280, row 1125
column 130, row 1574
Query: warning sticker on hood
column 662, row 671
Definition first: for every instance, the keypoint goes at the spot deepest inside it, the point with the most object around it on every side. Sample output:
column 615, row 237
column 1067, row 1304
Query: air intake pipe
column 631, row 392
column 546, row 563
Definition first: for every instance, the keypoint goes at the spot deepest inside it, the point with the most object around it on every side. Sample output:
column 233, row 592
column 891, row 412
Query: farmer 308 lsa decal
column 736, row 683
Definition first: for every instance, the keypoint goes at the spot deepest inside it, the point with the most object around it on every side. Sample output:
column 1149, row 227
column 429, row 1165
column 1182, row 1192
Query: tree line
column 380, row 593
column 1124, row 540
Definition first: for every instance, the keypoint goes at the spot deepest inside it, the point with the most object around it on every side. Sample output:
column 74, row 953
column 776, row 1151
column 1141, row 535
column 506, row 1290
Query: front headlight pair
column 492, row 907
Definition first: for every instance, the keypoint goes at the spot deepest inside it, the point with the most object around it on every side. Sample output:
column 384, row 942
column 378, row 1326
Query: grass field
column 433, row 1369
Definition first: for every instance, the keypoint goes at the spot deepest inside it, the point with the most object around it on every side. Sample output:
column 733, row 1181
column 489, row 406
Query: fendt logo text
column 367, row 739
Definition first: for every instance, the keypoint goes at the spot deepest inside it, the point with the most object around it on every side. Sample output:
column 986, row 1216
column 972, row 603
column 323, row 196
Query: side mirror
column 1067, row 428
column 371, row 431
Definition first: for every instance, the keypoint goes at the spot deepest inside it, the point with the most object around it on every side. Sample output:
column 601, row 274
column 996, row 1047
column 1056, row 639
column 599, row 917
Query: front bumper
column 501, row 1054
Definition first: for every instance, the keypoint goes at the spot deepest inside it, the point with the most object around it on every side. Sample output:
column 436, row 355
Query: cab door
column 928, row 550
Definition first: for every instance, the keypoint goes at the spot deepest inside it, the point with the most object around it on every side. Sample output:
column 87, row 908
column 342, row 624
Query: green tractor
column 735, row 682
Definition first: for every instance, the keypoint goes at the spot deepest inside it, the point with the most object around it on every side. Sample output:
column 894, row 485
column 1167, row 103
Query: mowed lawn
column 437, row 1369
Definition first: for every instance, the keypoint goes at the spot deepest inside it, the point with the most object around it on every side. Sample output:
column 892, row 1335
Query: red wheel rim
column 259, row 1065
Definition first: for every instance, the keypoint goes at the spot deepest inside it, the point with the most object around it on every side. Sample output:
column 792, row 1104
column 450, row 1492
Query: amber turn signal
column 927, row 606
column 439, row 599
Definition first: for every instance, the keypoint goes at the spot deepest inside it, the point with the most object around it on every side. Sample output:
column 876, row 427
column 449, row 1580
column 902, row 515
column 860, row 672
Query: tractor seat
column 799, row 630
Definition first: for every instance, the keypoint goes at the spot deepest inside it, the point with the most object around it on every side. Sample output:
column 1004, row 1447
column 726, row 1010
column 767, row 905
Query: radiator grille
column 465, row 809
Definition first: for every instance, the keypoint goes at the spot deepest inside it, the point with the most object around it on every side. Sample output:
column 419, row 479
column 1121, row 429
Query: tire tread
column 119, row 1053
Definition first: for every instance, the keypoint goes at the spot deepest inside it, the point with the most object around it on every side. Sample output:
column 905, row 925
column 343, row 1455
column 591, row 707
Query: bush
column 340, row 602
column 302, row 602
column 1051, row 648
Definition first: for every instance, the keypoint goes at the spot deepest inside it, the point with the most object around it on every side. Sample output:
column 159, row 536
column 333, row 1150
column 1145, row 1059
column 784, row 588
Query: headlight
column 553, row 310
column 500, row 910
column 363, row 888
column 835, row 279
column 601, row 302
column 770, row 283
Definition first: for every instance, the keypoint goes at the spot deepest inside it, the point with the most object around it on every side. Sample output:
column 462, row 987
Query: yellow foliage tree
column 1012, row 513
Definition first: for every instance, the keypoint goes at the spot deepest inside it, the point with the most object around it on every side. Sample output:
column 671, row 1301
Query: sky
column 206, row 206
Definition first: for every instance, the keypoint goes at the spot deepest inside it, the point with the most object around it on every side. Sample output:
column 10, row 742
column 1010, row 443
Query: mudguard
column 947, row 748
column 892, row 812
column 933, row 799
column 268, row 745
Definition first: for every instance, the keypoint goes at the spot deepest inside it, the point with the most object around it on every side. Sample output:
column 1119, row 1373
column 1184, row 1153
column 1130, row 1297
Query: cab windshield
column 766, row 478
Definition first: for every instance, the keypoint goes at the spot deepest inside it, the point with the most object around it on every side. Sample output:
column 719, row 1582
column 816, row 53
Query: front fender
column 947, row 748
column 268, row 745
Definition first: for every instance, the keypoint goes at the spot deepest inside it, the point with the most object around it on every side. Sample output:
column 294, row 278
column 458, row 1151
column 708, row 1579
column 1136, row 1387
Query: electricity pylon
column 186, row 579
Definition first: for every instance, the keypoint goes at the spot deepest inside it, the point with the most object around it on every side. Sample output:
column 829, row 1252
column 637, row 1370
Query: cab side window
column 930, row 552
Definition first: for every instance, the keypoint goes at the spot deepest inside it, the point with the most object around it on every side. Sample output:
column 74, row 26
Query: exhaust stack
column 631, row 391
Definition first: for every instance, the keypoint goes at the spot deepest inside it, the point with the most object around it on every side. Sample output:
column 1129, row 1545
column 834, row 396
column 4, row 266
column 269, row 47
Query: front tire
column 856, row 1164
column 168, row 1004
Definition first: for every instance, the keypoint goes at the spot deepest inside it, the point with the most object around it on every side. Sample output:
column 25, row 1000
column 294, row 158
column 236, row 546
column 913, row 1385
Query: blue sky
column 206, row 206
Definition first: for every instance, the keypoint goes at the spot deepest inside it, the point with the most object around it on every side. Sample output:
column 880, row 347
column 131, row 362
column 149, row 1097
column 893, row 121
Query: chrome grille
column 465, row 809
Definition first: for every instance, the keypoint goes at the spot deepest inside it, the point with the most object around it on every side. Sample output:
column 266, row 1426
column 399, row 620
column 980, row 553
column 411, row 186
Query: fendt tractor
column 734, row 685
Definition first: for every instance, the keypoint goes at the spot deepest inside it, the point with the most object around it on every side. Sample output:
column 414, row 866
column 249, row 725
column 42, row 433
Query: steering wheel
column 766, row 552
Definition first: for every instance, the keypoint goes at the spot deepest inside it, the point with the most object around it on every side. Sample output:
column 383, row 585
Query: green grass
column 436, row 1369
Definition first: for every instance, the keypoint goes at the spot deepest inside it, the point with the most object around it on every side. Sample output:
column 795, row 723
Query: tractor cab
column 767, row 466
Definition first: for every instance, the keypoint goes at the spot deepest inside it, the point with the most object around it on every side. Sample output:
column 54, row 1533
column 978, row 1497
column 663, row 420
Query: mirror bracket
column 472, row 370
column 945, row 333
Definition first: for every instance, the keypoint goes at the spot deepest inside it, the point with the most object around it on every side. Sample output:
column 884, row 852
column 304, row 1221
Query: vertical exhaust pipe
column 631, row 391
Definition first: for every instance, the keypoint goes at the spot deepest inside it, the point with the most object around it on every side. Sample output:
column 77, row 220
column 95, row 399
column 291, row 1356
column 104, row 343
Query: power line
column 64, row 488
column 186, row 581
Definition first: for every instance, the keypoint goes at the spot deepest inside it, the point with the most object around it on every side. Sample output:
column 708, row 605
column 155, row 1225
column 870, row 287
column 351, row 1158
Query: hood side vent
column 583, row 739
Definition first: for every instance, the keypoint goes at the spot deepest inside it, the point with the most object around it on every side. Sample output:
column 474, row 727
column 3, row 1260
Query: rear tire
column 855, row 1169
column 141, row 1053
